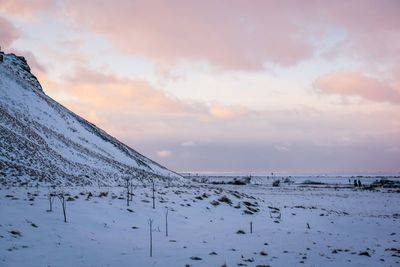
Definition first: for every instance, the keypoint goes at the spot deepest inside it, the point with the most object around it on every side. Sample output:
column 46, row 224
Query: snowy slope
column 42, row 141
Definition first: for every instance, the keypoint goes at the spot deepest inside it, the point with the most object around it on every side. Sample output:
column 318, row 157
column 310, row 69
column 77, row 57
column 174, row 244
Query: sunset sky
column 247, row 86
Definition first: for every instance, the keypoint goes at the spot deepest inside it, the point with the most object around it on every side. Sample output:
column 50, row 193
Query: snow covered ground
column 292, row 226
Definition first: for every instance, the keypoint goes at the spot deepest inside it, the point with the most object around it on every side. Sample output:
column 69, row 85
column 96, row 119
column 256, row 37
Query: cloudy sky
column 249, row 86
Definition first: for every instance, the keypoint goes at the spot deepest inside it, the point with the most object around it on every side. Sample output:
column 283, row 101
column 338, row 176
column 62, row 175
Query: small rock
column 263, row 253
column 15, row 232
column 364, row 253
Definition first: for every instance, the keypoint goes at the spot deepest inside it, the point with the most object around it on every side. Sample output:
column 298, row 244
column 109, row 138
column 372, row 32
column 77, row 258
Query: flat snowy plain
column 295, row 226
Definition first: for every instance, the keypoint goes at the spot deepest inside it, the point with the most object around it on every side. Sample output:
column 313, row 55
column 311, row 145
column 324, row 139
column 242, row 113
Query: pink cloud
column 357, row 84
column 371, row 29
column 109, row 92
column 106, row 91
column 8, row 33
column 229, row 34
column 92, row 92
column 220, row 111
column 242, row 34
column 23, row 8
column 88, row 76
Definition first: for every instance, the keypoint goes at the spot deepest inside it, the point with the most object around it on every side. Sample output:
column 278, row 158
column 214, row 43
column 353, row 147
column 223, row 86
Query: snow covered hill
column 42, row 141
